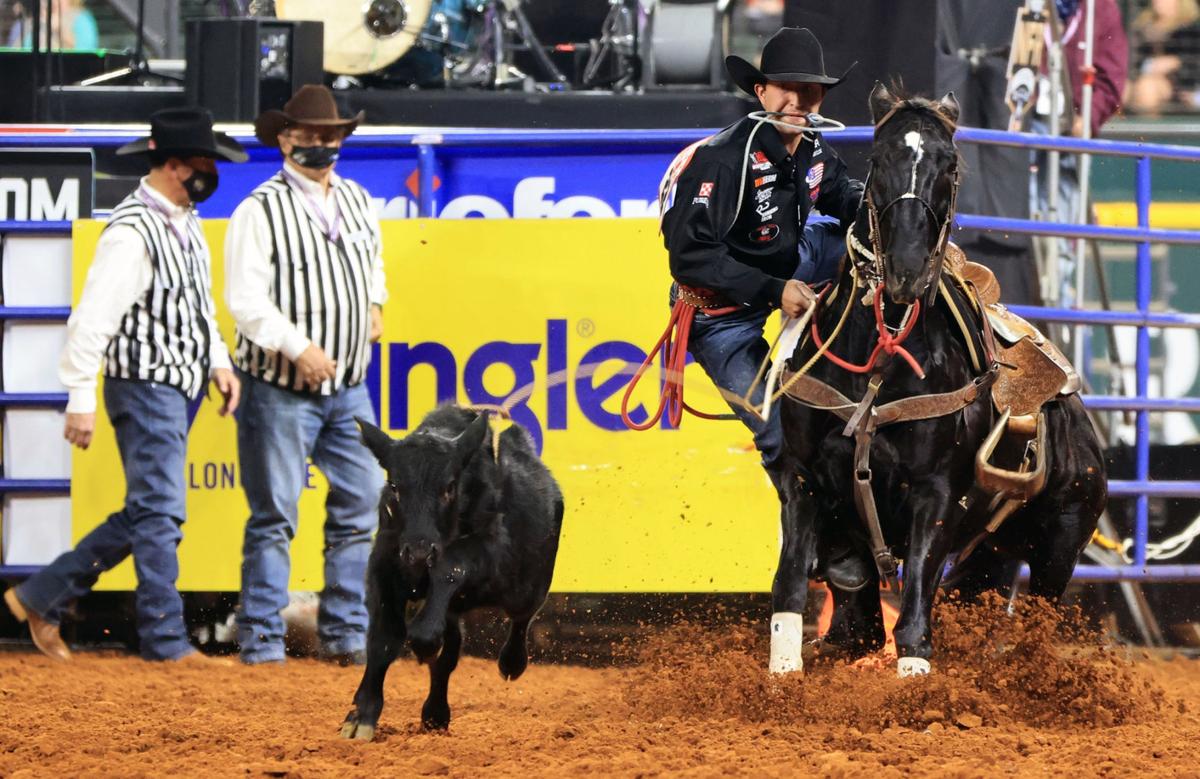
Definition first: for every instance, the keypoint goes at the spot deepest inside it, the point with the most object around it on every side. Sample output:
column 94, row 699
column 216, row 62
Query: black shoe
column 847, row 570
column 346, row 659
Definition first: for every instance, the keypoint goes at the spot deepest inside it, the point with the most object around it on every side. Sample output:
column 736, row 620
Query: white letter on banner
column 42, row 204
column 639, row 208
column 473, row 205
column 529, row 197
column 19, row 189
column 582, row 205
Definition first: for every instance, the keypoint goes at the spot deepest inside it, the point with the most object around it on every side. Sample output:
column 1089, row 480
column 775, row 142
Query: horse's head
column 911, row 189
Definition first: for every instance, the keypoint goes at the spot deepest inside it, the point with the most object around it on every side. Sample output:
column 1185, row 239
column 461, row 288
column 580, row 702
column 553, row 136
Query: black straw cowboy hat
column 312, row 105
column 792, row 54
column 185, row 132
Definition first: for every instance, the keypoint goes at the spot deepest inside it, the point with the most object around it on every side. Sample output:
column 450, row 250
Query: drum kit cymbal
column 471, row 43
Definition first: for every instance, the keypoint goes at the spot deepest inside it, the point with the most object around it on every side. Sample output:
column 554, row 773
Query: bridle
column 872, row 267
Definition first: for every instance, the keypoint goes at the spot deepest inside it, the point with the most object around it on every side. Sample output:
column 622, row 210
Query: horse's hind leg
column 857, row 625
column 1052, row 556
column 984, row 571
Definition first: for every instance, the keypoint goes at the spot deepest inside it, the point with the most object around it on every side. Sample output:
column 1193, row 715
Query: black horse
column 919, row 471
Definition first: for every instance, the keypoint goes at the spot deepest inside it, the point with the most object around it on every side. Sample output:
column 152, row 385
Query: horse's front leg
column 930, row 522
column 789, row 592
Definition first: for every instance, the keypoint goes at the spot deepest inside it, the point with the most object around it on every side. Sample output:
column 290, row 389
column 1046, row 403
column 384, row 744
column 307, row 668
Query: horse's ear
column 948, row 107
column 881, row 101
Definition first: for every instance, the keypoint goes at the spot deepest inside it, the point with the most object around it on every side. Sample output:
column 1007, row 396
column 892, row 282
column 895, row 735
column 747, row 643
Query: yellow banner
column 479, row 308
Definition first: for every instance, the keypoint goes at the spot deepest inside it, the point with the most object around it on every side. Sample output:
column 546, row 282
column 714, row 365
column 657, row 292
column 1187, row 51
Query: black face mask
column 200, row 185
column 315, row 157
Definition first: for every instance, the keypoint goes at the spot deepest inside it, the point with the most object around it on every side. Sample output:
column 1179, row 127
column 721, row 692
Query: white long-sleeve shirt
column 120, row 273
column 248, row 271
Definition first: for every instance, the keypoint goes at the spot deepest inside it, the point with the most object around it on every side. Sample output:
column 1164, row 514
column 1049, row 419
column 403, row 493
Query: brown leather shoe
column 45, row 636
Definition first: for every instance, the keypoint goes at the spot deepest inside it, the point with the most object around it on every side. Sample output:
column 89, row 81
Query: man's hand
column 797, row 297
column 376, row 323
column 315, row 366
column 79, row 429
column 227, row 383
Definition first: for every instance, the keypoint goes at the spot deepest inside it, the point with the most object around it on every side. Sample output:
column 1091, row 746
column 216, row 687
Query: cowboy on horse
column 736, row 223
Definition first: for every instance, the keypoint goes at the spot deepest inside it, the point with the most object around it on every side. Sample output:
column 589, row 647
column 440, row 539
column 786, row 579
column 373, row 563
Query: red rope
column 673, row 343
column 885, row 343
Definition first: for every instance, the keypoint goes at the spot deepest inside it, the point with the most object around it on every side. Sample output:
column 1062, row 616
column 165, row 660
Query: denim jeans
column 731, row 347
column 151, row 424
column 277, row 431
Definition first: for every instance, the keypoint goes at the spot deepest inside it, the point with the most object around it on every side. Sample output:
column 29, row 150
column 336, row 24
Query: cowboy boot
column 842, row 566
column 45, row 636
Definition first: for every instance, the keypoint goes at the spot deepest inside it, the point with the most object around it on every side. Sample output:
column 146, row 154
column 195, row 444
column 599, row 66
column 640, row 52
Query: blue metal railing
column 1141, row 488
column 33, row 399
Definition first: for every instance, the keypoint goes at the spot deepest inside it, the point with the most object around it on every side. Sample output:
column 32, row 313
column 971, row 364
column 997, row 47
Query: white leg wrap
column 787, row 640
column 912, row 666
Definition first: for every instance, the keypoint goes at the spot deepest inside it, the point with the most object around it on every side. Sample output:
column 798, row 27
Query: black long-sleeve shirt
column 747, row 257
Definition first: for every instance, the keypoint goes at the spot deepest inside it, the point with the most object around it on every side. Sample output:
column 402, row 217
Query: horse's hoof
column 787, row 640
column 912, row 666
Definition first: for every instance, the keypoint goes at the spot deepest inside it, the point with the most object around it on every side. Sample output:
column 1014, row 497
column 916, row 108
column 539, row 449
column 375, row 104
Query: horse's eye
column 391, row 485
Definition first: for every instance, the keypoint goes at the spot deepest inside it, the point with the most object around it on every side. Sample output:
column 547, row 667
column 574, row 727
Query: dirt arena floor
column 1010, row 697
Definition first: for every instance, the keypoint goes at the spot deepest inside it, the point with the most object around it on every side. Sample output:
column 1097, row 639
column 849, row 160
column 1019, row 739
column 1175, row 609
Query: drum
column 362, row 36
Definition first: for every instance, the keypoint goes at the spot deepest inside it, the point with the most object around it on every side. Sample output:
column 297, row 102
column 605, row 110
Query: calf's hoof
column 435, row 715
column 912, row 666
column 513, row 661
column 787, row 641
column 356, row 729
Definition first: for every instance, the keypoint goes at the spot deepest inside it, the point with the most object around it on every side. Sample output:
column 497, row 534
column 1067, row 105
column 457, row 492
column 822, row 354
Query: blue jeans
column 731, row 347
column 151, row 423
column 277, row 431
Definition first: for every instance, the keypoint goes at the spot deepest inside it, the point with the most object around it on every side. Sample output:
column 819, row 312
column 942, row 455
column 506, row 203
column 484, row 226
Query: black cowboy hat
column 185, row 132
column 313, row 104
column 792, row 54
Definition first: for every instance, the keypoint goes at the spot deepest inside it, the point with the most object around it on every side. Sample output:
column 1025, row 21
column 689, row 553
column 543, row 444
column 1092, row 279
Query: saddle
column 1033, row 371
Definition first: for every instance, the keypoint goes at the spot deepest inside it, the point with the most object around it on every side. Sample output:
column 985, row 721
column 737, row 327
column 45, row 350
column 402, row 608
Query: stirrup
column 1022, row 484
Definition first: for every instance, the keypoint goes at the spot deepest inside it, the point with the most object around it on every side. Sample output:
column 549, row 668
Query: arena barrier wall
column 477, row 310
column 596, row 169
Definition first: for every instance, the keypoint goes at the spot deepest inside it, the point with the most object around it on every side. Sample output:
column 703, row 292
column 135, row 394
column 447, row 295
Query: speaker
column 238, row 68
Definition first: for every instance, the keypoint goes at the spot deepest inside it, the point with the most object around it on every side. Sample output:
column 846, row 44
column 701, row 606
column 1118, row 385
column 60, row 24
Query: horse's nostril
column 406, row 554
column 435, row 552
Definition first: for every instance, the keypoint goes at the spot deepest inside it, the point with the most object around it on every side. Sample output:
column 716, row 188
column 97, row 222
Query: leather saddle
column 1033, row 371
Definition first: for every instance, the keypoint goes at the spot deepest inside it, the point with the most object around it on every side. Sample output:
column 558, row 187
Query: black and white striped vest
column 322, row 285
column 165, row 336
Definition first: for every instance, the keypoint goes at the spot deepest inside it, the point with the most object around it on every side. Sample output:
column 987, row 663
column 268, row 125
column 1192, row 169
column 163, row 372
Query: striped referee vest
column 321, row 284
column 165, row 336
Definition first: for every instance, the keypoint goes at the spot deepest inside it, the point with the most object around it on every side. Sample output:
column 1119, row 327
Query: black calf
column 464, row 522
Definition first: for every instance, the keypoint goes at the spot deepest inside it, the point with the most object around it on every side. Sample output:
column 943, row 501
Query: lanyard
column 150, row 200
column 332, row 230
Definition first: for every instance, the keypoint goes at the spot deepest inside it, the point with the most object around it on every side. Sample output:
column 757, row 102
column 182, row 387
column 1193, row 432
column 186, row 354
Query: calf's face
column 425, row 487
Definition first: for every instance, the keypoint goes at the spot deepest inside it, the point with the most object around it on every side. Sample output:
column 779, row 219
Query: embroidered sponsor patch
column 700, row 201
column 759, row 161
column 770, row 179
column 765, row 213
column 763, row 195
column 765, row 233
column 706, row 188
column 815, row 174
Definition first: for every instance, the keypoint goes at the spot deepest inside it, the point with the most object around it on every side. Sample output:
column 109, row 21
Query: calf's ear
column 379, row 442
column 472, row 439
